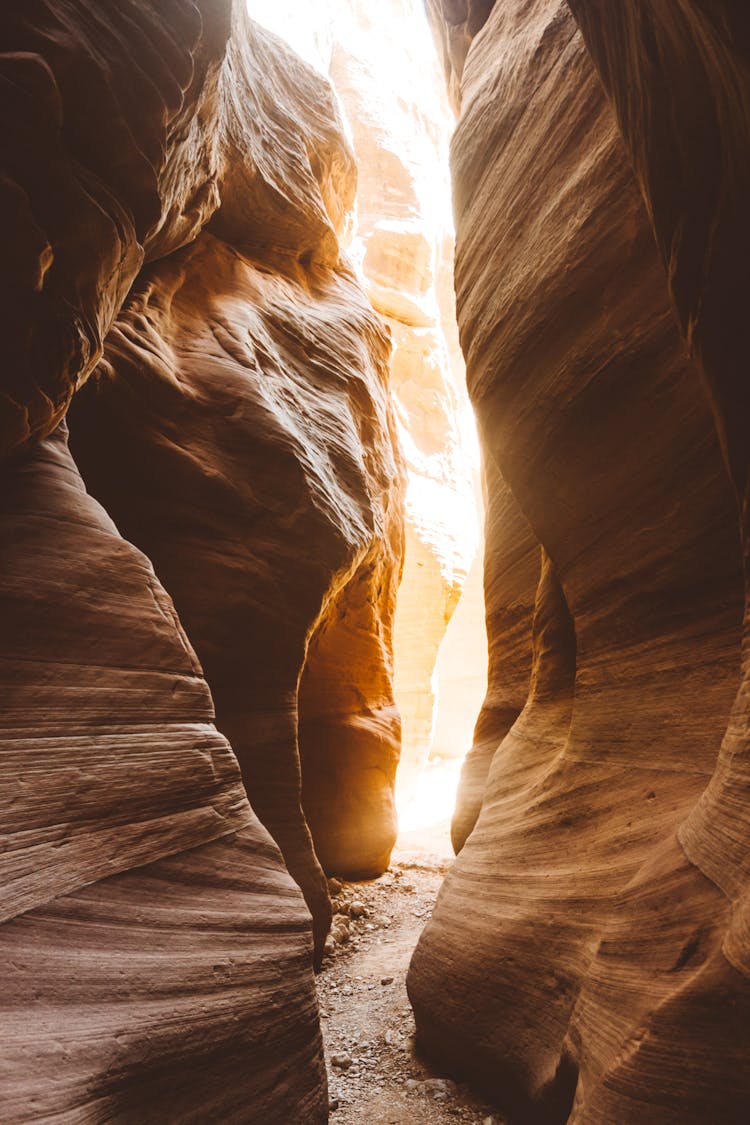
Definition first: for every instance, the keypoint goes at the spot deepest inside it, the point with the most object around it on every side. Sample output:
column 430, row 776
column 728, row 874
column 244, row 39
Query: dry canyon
column 375, row 418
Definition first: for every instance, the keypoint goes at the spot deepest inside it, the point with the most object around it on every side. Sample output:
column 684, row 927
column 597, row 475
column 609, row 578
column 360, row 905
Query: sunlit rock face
column 247, row 375
column 587, row 958
column 461, row 671
column 385, row 71
column 239, row 431
column 511, row 575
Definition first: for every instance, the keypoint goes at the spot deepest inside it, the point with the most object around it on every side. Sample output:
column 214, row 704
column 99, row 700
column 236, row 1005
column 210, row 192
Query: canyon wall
column 511, row 575
column 175, row 185
column 386, row 74
column 247, row 375
column 152, row 941
column 587, row 957
column 385, row 71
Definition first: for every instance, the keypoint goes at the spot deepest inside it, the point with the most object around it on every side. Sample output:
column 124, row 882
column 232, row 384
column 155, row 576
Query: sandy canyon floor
column 376, row 1077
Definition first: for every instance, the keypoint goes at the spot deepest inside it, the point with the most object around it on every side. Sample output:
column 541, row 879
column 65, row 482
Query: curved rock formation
column 152, row 941
column 239, row 428
column 240, row 432
column 585, row 961
column 384, row 70
column 511, row 574
column 109, row 158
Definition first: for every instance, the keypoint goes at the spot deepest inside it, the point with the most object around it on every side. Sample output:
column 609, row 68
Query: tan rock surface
column 511, row 575
column 384, row 70
column 159, row 954
column 578, row 963
column 387, row 77
column 240, row 431
column 148, row 918
column 461, row 671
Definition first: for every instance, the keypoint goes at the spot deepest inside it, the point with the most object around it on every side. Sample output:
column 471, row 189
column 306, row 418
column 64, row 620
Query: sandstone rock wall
column 174, row 186
column 511, row 575
column 240, row 431
column 385, row 72
column 147, row 915
column 585, row 960
column 109, row 157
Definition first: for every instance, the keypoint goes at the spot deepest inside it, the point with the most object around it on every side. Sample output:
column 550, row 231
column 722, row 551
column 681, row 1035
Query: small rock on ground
column 375, row 1075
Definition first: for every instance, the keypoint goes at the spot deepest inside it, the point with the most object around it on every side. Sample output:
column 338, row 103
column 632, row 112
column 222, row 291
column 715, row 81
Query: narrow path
column 375, row 1076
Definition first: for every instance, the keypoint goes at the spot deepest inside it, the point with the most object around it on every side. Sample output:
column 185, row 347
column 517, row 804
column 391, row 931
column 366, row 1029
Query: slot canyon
column 374, row 562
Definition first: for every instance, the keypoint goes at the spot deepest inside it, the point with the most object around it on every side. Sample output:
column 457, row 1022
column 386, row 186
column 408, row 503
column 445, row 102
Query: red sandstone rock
column 230, row 448
column 240, row 432
column 158, row 952
column 580, row 962
column 156, row 955
column 109, row 156
column 350, row 728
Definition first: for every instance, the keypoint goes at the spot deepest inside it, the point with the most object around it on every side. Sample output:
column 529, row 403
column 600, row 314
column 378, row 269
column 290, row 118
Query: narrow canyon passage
column 376, row 1073
column 374, row 556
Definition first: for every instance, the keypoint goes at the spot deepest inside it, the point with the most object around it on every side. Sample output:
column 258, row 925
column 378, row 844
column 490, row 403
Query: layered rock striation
column 586, row 960
column 386, row 74
column 240, row 431
column 384, row 71
column 147, row 915
column 176, row 184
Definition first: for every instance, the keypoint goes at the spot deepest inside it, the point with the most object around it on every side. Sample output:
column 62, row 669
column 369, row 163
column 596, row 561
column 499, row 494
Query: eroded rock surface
column 585, row 960
column 511, row 574
column 109, row 157
column 147, row 916
column 385, row 71
column 239, row 431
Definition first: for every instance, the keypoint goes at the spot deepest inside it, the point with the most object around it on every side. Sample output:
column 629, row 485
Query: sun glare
column 429, row 806
column 392, row 98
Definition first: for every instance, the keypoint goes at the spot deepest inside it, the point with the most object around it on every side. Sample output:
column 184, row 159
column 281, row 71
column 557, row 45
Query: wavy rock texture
column 230, row 447
column 585, row 960
column 385, row 72
column 109, row 157
column 240, row 432
column 152, row 941
column 400, row 128
column 681, row 90
column 239, row 426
